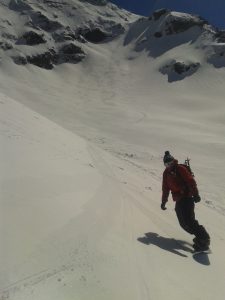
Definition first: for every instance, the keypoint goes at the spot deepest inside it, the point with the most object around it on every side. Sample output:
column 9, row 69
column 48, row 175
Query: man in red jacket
column 181, row 183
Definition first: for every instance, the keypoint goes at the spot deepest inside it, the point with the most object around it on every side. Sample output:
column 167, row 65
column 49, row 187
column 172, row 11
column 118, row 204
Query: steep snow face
column 37, row 32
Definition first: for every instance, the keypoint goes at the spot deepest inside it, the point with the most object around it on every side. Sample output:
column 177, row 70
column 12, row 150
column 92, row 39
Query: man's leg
column 184, row 210
column 186, row 217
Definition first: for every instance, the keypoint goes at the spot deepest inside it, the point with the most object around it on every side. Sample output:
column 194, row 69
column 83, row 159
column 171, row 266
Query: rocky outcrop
column 217, row 56
column 5, row 45
column 55, row 4
column 178, row 25
column 158, row 13
column 181, row 68
column 63, row 35
column 96, row 2
column 38, row 20
column 44, row 60
column 95, row 35
column 220, row 36
column 67, row 34
column 31, row 38
column 19, row 59
column 177, row 70
column 70, row 53
column 19, row 5
column 158, row 34
column 174, row 24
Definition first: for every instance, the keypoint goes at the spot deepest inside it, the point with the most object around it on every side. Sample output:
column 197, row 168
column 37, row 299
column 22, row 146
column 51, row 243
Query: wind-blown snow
column 81, row 164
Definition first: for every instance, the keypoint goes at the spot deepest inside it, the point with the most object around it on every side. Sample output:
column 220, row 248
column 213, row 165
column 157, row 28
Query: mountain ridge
column 47, row 34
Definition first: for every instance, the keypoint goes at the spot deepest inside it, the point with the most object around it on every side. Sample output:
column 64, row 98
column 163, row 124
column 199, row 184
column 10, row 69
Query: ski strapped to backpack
column 186, row 164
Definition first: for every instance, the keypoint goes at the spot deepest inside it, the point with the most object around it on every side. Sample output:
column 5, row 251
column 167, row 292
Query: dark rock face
column 179, row 70
column 179, row 25
column 54, row 4
column 158, row 34
column 9, row 36
column 217, row 56
column 64, row 35
column 31, row 38
column 94, row 35
column 117, row 29
column 41, row 21
column 44, row 60
column 80, row 39
column 96, row 2
column 220, row 36
column 71, row 49
column 19, row 60
column 68, row 34
column 70, row 53
column 158, row 13
column 4, row 45
column 176, row 24
column 19, row 5
column 180, row 67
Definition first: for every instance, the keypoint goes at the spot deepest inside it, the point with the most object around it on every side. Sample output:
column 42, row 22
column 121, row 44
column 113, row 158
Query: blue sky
column 212, row 10
column 140, row 7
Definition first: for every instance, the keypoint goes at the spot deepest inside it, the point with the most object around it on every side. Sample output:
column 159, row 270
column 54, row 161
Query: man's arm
column 165, row 191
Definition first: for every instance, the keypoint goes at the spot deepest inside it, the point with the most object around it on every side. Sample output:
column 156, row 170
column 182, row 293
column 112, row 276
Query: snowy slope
column 81, row 156
column 82, row 223
column 38, row 160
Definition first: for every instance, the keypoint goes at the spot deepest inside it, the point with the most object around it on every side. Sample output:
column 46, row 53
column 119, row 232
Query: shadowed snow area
column 81, row 153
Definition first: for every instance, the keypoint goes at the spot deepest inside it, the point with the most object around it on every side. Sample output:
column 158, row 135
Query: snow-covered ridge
column 165, row 30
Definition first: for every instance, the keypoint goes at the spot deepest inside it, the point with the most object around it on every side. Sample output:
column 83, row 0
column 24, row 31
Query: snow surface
column 81, row 165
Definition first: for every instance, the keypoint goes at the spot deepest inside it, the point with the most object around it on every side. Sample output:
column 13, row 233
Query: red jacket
column 179, row 181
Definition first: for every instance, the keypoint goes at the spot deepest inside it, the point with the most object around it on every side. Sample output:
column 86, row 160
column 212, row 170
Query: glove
column 163, row 206
column 196, row 198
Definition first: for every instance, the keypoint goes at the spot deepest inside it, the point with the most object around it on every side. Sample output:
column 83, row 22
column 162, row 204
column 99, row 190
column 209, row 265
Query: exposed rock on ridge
column 96, row 2
column 177, row 70
column 31, row 38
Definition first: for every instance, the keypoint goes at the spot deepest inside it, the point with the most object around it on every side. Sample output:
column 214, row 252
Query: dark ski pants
column 186, row 216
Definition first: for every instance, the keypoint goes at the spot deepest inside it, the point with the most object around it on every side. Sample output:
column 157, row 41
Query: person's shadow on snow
column 168, row 244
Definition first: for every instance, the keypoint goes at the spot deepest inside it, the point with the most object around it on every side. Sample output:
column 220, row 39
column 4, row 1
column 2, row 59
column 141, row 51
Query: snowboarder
column 179, row 180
